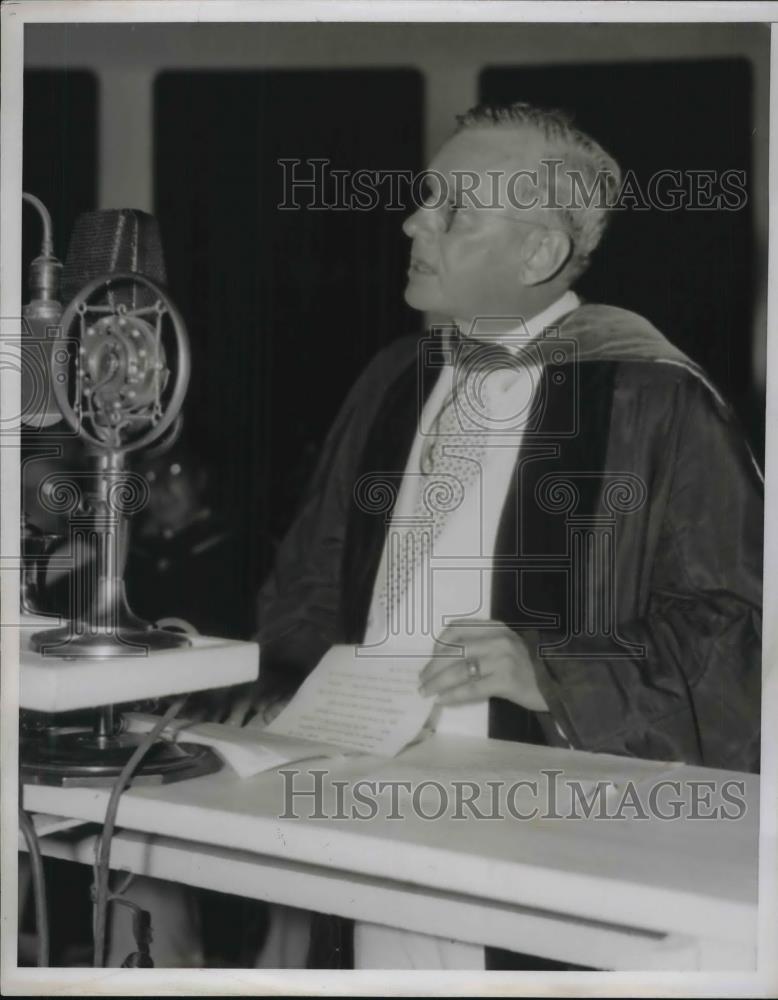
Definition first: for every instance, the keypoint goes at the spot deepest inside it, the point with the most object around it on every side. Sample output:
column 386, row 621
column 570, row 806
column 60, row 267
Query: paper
column 362, row 703
column 248, row 750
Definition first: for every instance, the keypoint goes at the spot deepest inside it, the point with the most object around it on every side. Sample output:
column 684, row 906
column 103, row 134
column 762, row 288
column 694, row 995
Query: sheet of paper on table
column 248, row 749
column 360, row 703
column 350, row 703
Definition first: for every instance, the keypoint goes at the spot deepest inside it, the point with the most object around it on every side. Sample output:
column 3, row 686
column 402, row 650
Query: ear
column 545, row 253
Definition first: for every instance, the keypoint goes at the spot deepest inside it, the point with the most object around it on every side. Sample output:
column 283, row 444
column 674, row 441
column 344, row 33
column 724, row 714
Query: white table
column 610, row 893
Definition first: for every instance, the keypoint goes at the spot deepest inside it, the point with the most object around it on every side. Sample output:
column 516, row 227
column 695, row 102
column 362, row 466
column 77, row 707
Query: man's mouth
column 420, row 267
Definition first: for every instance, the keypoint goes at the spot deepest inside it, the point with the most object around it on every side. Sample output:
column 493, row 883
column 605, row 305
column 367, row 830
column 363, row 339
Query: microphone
column 40, row 323
column 114, row 392
column 114, row 240
column 103, row 242
column 119, row 376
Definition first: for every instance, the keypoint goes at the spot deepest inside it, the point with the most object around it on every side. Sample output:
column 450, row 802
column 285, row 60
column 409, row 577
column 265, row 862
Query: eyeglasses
column 455, row 211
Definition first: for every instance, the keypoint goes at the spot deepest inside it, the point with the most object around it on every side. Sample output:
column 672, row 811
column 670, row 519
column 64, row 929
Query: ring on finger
column 473, row 670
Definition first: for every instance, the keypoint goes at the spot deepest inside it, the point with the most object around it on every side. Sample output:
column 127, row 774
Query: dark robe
column 628, row 554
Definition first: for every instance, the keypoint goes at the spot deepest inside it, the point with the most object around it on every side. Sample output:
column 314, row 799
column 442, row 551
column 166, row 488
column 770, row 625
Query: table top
column 667, row 875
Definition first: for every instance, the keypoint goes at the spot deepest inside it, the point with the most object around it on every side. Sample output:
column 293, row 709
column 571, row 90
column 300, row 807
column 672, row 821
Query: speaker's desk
column 615, row 893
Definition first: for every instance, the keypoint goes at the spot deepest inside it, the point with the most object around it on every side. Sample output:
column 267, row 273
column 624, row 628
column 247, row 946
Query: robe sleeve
column 299, row 603
column 692, row 692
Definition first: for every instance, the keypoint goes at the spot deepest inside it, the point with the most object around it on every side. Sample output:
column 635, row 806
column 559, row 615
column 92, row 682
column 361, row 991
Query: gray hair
column 585, row 189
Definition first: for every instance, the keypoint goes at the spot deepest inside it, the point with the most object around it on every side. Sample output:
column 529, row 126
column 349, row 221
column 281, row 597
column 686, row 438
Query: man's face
column 466, row 261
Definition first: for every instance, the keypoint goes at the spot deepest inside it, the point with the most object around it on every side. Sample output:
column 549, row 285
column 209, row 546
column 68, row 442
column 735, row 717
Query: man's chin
column 421, row 298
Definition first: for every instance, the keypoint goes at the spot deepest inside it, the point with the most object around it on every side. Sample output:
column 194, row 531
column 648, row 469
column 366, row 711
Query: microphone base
column 71, row 643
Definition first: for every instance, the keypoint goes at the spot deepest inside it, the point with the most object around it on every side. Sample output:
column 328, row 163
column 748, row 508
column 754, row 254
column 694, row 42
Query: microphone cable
column 38, row 886
column 103, row 852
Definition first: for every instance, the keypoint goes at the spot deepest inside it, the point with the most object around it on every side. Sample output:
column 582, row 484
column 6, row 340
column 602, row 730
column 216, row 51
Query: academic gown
column 628, row 554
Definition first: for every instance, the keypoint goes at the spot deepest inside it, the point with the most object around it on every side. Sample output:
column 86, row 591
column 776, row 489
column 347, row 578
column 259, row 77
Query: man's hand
column 504, row 668
column 258, row 712
column 238, row 705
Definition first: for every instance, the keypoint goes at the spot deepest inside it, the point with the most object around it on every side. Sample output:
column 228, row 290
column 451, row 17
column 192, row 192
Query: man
column 608, row 585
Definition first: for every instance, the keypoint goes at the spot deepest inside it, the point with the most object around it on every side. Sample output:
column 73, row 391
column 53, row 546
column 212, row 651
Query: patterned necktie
column 451, row 461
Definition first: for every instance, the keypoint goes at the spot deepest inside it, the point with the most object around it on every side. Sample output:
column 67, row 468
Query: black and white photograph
column 386, row 399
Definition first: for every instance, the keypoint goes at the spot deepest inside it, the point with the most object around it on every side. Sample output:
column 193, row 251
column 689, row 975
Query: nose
column 420, row 223
column 411, row 224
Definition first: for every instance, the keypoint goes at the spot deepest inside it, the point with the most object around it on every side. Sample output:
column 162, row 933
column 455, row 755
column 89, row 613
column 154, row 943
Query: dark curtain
column 692, row 273
column 284, row 307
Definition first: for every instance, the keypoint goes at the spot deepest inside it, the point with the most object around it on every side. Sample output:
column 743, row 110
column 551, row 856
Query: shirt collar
column 513, row 340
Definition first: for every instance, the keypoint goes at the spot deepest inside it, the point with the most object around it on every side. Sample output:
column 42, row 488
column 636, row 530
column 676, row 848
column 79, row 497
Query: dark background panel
column 284, row 308
column 690, row 272
column 59, row 154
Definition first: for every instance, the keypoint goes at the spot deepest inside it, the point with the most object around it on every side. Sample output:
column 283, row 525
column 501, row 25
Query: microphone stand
column 102, row 624
column 113, row 384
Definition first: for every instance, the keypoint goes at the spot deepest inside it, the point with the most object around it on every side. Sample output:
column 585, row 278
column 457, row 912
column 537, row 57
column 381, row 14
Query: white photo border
column 112, row 982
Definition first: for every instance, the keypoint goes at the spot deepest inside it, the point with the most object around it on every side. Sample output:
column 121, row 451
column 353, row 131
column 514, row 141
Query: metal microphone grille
column 115, row 239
